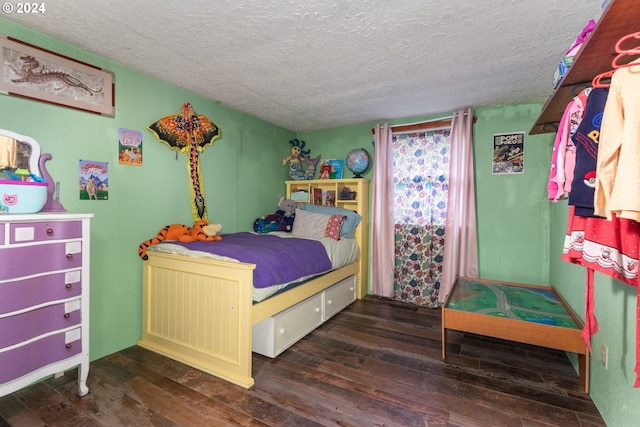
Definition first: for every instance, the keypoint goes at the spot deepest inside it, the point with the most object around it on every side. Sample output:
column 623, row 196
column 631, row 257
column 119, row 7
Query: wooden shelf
column 359, row 204
column 621, row 17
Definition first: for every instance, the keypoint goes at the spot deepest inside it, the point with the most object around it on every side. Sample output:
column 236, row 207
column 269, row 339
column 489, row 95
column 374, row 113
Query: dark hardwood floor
column 378, row 363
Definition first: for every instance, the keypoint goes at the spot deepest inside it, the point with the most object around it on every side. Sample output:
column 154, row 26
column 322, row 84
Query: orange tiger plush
column 204, row 230
column 201, row 230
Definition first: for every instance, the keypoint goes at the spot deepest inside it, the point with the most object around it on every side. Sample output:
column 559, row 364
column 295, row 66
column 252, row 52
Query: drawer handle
column 68, row 285
column 317, row 309
column 69, row 256
column 67, row 315
column 69, row 345
column 49, row 231
column 282, row 331
column 351, row 288
column 330, row 302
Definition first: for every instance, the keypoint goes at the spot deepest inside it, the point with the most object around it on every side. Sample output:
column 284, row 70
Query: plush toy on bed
column 287, row 210
column 201, row 230
column 281, row 220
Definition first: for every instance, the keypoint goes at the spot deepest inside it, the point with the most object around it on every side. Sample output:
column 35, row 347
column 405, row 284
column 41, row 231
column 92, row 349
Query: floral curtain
column 421, row 180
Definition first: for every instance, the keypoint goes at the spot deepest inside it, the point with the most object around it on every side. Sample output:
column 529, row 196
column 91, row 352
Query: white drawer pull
column 351, row 288
column 282, row 331
column 330, row 302
column 317, row 309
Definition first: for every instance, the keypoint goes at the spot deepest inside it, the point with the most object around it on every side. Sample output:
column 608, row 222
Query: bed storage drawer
column 274, row 335
column 339, row 296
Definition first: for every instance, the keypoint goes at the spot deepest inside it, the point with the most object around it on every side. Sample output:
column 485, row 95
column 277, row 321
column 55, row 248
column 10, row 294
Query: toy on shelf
column 295, row 159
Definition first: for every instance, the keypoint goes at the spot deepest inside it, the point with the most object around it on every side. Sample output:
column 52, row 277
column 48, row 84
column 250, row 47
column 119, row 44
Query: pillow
column 333, row 226
column 348, row 225
column 309, row 224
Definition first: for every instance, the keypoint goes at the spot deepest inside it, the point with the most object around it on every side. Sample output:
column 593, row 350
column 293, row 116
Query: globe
column 358, row 161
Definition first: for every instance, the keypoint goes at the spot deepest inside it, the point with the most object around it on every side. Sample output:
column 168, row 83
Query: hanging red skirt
column 610, row 247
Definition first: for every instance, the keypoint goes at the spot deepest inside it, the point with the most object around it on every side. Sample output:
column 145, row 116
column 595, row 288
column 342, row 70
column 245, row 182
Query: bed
column 528, row 314
column 202, row 310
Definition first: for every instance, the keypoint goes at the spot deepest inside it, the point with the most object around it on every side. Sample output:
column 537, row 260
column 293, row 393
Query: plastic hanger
column 597, row 80
column 622, row 53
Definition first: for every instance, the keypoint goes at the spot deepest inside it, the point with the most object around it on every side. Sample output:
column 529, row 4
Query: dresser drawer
column 17, row 328
column 19, row 361
column 274, row 335
column 339, row 296
column 22, row 232
column 27, row 260
column 18, row 295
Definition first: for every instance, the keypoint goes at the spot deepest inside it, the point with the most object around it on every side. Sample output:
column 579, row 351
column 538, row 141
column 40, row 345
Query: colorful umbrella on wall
column 189, row 132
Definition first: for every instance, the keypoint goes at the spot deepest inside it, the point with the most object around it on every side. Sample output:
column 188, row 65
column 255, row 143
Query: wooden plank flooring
column 378, row 363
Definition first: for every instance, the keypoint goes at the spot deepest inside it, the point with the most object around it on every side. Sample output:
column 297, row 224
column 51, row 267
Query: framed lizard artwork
column 38, row 74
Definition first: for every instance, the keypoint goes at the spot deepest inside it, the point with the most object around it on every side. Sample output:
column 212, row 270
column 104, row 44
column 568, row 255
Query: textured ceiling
column 316, row 64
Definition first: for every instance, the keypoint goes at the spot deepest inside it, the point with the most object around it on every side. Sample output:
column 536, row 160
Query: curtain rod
column 427, row 124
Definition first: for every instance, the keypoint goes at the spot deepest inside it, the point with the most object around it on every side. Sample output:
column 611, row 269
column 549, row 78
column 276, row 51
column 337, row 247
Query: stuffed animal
column 281, row 220
column 287, row 206
column 287, row 209
column 201, row 230
column 295, row 159
column 205, row 231
column 269, row 223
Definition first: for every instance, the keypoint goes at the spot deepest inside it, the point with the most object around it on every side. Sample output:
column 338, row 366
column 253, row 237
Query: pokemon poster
column 508, row 153
column 94, row 180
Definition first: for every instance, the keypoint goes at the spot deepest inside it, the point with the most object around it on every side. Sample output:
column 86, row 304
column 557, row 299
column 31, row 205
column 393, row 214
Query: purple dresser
column 44, row 298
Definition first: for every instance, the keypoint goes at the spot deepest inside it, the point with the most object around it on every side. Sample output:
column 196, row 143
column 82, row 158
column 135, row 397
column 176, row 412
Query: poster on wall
column 508, row 153
column 129, row 147
column 94, row 180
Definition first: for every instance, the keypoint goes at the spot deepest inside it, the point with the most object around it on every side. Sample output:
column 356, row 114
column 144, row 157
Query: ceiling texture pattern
column 316, row 64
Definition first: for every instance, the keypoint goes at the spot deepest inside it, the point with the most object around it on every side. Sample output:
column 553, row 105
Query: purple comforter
column 278, row 260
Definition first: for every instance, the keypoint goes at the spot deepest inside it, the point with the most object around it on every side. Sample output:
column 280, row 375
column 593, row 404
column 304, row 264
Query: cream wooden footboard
column 199, row 311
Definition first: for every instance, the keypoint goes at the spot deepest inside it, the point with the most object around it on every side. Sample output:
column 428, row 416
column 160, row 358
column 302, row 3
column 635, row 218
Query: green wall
column 520, row 233
column 513, row 213
column 520, row 237
column 242, row 175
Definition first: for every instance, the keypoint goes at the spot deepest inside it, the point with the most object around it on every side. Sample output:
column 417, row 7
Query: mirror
column 18, row 153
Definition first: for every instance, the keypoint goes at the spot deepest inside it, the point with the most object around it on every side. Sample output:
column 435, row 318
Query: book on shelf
column 317, row 196
column 336, row 168
column 324, row 197
column 329, row 197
